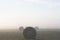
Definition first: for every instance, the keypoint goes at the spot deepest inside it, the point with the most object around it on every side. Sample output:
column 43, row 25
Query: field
column 42, row 34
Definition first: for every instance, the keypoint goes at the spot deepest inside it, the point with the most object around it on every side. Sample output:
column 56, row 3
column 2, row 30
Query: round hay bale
column 29, row 33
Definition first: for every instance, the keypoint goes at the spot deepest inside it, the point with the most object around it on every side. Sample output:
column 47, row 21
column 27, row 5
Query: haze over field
column 41, row 13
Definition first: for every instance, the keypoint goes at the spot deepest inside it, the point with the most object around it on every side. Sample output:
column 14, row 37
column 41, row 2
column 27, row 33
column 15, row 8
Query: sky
column 41, row 13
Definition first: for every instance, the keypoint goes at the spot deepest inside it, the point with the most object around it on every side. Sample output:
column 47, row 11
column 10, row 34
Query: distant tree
column 21, row 28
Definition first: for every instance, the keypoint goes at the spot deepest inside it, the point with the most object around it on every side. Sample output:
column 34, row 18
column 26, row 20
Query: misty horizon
column 41, row 13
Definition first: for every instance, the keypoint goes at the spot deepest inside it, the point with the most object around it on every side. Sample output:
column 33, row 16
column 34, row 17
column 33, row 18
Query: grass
column 41, row 35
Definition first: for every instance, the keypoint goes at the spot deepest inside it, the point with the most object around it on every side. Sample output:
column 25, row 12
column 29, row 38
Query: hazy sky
column 42, row 13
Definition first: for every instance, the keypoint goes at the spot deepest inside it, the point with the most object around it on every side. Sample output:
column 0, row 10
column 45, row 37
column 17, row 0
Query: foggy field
column 41, row 35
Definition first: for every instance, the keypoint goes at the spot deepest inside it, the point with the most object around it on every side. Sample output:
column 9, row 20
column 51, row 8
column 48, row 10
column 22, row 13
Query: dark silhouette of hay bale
column 29, row 33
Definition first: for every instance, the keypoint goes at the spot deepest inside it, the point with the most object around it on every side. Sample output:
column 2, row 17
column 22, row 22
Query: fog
column 41, row 13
